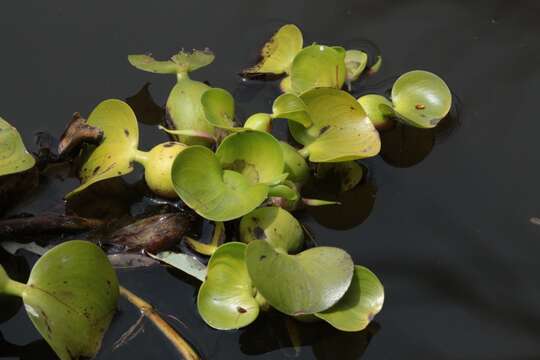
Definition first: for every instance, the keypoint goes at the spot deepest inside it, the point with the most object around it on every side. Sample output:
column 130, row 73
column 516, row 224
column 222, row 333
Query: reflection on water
column 406, row 146
column 354, row 206
column 274, row 331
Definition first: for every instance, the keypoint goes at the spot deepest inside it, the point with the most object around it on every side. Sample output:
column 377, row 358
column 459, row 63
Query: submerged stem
column 179, row 343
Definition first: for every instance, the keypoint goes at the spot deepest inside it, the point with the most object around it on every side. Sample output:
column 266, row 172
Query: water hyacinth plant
column 184, row 102
column 240, row 176
column 115, row 155
column 70, row 297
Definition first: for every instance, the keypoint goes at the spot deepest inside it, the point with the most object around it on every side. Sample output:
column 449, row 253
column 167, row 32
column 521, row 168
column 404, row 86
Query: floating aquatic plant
column 233, row 181
column 184, row 102
column 341, row 130
column 115, row 155
column 419, row 98
column 226, row 171
column 307, row 68
column 70, row 297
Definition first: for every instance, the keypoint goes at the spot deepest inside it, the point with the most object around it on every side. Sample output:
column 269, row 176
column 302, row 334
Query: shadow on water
column 274, row 331
column 145, row 107
column 355, row 204
column 38, row 349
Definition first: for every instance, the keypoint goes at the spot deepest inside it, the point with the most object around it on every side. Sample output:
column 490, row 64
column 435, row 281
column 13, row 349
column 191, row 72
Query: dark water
column 449, row 230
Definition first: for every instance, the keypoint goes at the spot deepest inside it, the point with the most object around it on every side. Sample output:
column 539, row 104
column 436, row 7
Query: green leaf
column 341, row 130
column 278, row 53
column 194, row 60
column 218, row 105
column 378, row 109
column 295, row 164
column 186, row 112
column 149, row 64
column 180, row 63
column 113, row 157
column 226, row 298
column 291, row 107
column 260, row 122
column 183, row 262
column 214, row 193
column 255, row 154
column 317, row 66
column 421, row 98
column 361, row 303
column 14, row 157
column 274, row 225
column 310, row 282
column 71, row 298
column 355, row 64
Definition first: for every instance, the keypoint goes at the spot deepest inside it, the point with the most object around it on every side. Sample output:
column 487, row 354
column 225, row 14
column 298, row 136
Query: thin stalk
column 15, row 288
column 8, row 286
column 141, row 157
column 181, row 345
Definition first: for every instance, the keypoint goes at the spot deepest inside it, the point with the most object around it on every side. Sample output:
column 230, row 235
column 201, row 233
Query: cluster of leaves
column 227, row 172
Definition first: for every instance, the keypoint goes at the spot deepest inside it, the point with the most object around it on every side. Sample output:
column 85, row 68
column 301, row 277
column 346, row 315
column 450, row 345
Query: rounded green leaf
column 226, row 298
column 421, row 98
column 71, row 298
column 378, row 109
column 260, row 122
column 355, row 64
column 317, row 66
column 113, row 157
column 291, row 107
column 310, row 282
column 275, row 225
column 186, row 112
column 278, row 53
column 295, row 164
column 255, row 154
column 14, row 157
column 361, row 302
column 214, row 193
column 218, row 105
column 341, row 130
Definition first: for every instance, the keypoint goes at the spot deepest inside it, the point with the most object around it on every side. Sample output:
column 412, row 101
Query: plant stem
column 179, row 343
column 8, row 286
column 141, row 157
